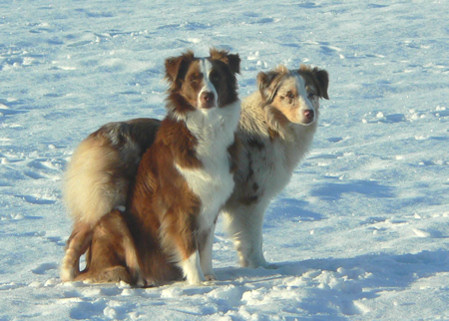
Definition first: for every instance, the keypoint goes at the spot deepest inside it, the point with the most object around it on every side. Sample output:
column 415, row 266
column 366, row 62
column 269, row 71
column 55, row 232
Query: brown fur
column 262, row 127
column 119, row 261
column 163, row 209
column 98, row 178
column 162, row 212
column 153, row 208
column 317, row 80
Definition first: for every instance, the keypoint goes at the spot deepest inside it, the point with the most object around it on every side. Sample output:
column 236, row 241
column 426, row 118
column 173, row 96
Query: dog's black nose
column 207, row 96
column 308, row 114
column 207, row 99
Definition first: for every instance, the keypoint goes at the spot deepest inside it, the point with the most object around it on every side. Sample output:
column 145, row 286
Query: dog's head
column 293, row 95
column 202, row 83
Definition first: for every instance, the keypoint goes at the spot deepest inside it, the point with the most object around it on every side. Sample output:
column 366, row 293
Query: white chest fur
column 213, row 182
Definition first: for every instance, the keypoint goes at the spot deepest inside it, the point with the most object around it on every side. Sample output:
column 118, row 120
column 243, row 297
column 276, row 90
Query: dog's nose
column 207, row 99
column 309, row 114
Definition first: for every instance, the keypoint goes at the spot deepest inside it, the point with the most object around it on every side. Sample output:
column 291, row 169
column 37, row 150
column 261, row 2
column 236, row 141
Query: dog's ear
column 320, row 78
column 265, row 82
column 175, row 67
column 233, row 60
column 234, row 63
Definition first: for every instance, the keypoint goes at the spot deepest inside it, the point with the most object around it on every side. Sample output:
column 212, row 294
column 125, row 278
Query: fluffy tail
column 102, row 167
column 98, row 178
column 95, row 183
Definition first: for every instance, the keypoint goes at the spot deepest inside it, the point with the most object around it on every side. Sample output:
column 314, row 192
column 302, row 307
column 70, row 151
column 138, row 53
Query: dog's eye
column 194, row 78
column 311, row 95
column 214, row 77
column 289, row 95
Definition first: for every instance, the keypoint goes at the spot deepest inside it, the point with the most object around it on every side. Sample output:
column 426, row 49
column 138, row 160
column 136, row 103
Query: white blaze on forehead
column 304, row 101
column 208, row 86
column 301, row 86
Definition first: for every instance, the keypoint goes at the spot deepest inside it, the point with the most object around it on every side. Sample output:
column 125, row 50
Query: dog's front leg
column 244, row 224
column 206, row 243
column 182, row 238
column 191, row 268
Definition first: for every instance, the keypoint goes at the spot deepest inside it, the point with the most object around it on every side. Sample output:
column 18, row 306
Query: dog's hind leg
column 129, row 249
column 113, row 274
column 112, row 253
column 77, row 245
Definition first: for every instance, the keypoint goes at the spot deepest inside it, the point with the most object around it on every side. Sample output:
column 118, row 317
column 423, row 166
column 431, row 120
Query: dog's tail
column 94, row 182
column 103, row 166
column 98, row 178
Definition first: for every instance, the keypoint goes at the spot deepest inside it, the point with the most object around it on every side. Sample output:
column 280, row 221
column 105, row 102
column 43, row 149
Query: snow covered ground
column 361, row 232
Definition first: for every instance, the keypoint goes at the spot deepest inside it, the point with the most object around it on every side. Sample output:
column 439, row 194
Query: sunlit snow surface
column 361, row 232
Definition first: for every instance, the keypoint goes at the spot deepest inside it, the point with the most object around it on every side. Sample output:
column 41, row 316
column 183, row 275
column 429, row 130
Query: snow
column 360, row 233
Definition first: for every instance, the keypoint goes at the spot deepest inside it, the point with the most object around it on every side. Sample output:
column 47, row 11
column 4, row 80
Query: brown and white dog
column 276, row 129
column 182, row 182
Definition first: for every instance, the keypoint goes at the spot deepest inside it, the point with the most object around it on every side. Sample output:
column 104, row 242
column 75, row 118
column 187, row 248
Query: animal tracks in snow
column 36, row 199
column 44, row 268
column 412, row 115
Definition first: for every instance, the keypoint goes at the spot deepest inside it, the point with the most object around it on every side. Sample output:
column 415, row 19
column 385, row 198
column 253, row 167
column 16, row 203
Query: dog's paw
column 254, row 262
column 140, row 283
column 68, row 274
column 210, row 277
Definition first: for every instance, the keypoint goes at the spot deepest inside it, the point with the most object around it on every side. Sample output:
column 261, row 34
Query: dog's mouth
column 207, row 105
